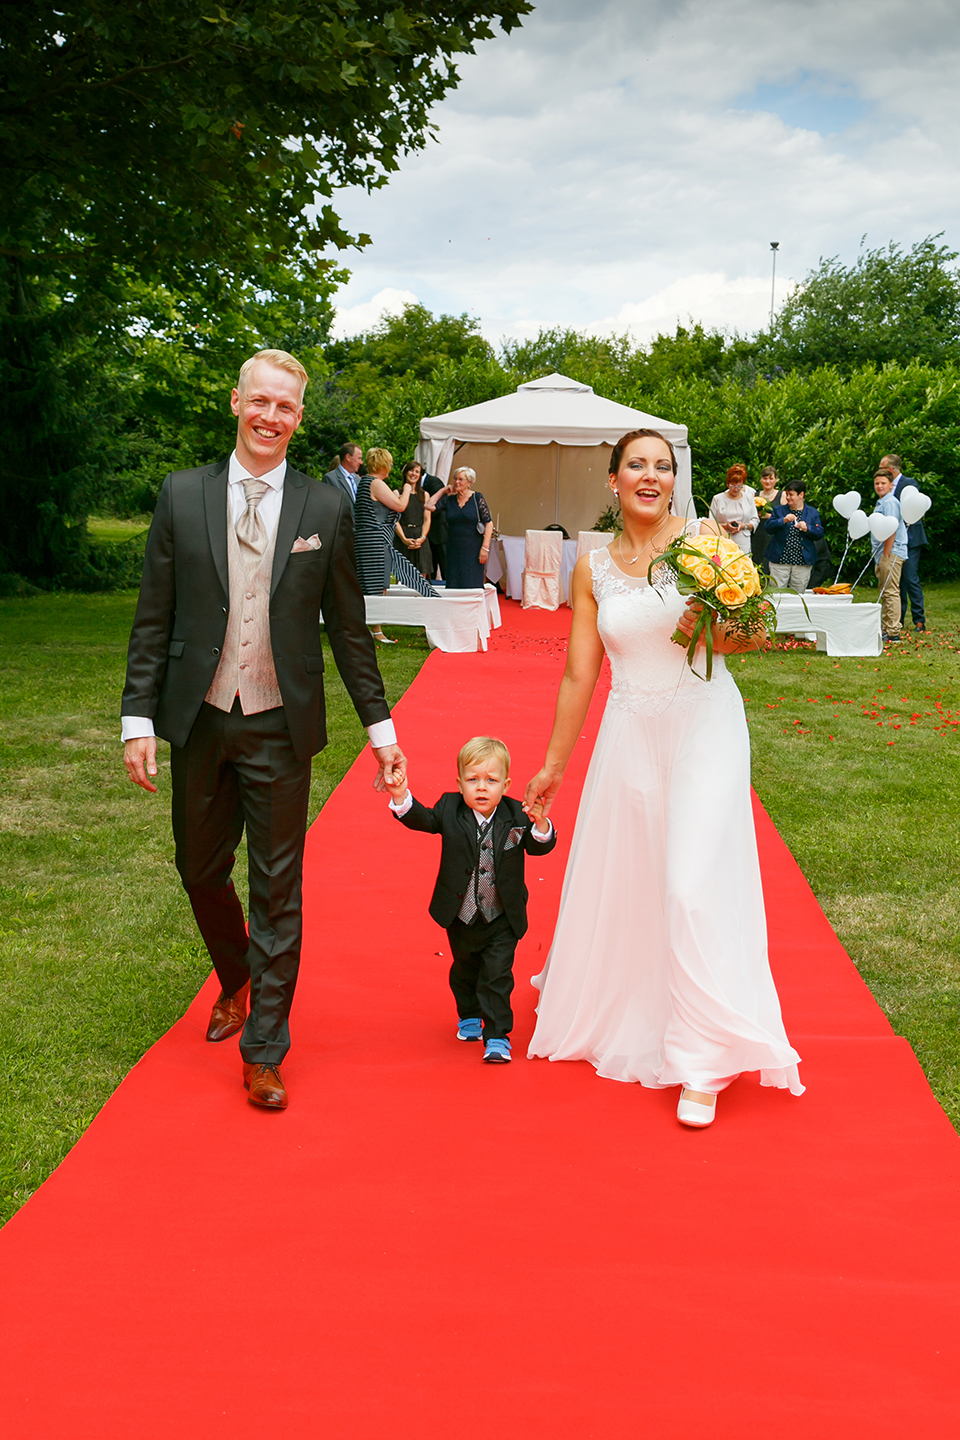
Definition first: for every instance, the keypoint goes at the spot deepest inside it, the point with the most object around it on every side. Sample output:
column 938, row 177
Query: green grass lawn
column 111, row 529
column 98, row 950
column 856, row 760
column 858, row 763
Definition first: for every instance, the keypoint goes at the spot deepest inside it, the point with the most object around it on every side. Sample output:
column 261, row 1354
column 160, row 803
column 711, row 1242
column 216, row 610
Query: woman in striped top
column 377, row 509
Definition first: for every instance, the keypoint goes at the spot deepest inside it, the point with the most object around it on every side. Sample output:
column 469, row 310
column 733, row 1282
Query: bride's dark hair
column 616, row 454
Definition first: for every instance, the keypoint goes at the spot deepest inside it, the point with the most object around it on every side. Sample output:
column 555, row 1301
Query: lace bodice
column 636, row 620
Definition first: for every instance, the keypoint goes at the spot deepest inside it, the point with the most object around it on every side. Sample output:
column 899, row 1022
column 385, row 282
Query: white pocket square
column 299, row 545
column 515, row 836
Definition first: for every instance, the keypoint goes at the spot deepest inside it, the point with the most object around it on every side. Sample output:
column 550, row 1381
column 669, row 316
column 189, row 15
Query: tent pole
column 556, row 489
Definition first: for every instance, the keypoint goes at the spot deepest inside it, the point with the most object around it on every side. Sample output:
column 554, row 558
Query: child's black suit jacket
column 455, row 822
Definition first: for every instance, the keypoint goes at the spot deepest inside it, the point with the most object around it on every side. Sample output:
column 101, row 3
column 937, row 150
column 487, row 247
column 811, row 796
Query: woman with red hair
column 734, row 509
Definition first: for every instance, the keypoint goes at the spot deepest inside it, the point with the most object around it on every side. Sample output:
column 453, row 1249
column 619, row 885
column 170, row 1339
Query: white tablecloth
column 457, row 621
column 839, row 626
column 514, row 552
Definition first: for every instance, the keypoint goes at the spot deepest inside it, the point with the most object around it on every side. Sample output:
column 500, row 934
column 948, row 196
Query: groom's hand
column 140, row 758
column 391, row 759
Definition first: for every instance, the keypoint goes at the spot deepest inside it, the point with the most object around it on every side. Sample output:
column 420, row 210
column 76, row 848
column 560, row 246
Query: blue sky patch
column 810, row 103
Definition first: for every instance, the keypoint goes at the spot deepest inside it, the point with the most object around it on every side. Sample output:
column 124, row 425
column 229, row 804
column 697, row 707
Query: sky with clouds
column 625, row 164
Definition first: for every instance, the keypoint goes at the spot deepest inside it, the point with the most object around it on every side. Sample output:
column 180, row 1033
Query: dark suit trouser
column 910, row 587
column 481, row 976
column 239, row 771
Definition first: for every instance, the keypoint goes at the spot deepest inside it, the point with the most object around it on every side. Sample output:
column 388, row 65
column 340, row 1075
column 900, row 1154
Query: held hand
column 390, row 758
column 790, row 519
column 540, row 794
column 140, row 758
column 801, row 524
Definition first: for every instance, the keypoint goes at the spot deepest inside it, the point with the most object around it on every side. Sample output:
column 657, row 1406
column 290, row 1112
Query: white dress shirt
column 136, row 727
column 402, row 806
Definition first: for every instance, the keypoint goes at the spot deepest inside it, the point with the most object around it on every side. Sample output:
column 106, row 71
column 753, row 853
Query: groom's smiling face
column 268, row 413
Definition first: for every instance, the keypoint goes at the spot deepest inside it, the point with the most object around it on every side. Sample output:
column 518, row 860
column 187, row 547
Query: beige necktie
column 251, row 531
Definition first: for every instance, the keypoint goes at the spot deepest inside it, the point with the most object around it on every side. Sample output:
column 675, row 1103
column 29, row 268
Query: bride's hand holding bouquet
column 726, row 609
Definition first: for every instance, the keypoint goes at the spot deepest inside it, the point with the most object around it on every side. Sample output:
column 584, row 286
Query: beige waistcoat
column 246, row 661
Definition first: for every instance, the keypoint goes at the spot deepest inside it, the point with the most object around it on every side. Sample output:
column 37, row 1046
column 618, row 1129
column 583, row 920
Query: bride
column 658, row 971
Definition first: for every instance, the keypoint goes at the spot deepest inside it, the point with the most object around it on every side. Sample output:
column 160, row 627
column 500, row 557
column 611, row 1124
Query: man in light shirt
column 226, row 662
column 888, row 556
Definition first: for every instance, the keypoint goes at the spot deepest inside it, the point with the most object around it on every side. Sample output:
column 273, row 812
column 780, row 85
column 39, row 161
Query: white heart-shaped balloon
column 913, row 504
column 883, row 526
column 858, row 524
column 846, row 504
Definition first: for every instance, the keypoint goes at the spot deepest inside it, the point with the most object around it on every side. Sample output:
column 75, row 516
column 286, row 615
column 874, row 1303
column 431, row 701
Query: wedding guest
column 413, row 526
column 794, row 529
column 888, row 556
column 343, row 476
column 769, row 494
column 734, row 509
column 469, row 530
column 225, row 662
column 479, row 898
column 432, row 485
column 910, row 587
column 377, row 509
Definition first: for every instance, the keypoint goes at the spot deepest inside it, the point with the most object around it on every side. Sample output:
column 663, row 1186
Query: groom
column 225, row 662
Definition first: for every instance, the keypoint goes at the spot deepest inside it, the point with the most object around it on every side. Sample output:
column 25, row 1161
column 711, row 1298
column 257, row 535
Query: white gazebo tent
column 541, row 454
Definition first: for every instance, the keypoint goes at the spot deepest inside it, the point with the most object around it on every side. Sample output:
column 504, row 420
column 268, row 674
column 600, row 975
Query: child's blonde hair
column 483, row 747
column 378, row 462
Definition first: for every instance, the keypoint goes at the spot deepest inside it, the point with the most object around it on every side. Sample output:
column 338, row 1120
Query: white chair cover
column 541, row 573
column 588, row 540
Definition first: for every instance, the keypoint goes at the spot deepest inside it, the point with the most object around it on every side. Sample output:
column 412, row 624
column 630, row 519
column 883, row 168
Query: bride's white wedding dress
column 658, row 970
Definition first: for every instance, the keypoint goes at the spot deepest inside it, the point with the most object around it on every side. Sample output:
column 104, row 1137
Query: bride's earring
column 617, row 493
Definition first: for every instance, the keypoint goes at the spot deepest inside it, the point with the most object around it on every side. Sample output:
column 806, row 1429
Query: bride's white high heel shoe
column 694, row 1113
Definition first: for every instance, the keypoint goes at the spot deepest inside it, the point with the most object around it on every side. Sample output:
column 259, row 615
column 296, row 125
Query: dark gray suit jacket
column 334, row 477
column 453, row 819
column 916, row 535
column 181, row 616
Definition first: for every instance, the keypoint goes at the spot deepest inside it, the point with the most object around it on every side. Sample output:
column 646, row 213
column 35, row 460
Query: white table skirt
column 457, row 621
column 514, row 553
column 839, row 626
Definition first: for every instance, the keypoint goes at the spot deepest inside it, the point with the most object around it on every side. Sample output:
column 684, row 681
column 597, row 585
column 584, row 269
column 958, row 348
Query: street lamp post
column 774, row 247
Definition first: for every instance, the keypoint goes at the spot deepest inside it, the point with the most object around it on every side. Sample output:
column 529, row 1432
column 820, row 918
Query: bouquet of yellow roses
column 727, row 585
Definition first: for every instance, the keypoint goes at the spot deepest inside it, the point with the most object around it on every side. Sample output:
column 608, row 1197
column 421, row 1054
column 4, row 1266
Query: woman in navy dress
column 469, row 530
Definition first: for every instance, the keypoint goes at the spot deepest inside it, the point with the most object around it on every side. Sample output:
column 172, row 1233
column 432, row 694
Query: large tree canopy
column 167, row 134
column 890, row 305
column 181, row 155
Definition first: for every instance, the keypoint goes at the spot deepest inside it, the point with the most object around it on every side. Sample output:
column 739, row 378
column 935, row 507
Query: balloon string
column 861, row 575
column 842, row 562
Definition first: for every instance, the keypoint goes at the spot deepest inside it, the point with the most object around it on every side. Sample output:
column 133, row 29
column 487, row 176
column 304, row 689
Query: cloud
column 354, row 319
column 633, row 160
column 741, row 305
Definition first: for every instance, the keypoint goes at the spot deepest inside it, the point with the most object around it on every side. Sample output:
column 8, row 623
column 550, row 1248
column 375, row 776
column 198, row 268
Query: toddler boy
column 479, row 898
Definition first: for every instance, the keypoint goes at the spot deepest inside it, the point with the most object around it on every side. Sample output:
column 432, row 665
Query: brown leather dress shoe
column 229, row 1014
column 265, row 1086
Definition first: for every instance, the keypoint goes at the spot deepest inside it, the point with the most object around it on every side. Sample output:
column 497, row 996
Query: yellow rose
column 730, row 594
column 752, row 583
column 706, row 577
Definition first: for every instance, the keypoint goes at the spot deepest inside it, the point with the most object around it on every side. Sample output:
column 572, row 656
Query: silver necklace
column 642, row 548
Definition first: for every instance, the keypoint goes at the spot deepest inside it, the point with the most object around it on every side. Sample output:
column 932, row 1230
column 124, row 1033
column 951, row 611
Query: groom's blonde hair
column 281, row 359
column 483, row 747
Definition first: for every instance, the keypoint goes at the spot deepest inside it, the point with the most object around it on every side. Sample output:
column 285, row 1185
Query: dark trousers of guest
column 910, row 587
column 240, row 772
column 481, row 976
column 439, row 554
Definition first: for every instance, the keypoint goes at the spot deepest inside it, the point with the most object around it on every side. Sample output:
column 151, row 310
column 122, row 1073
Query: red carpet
column 424, row 1246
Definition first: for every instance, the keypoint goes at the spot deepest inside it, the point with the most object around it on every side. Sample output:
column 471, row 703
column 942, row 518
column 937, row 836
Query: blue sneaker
column 497, row 1052
column 469, row 1029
